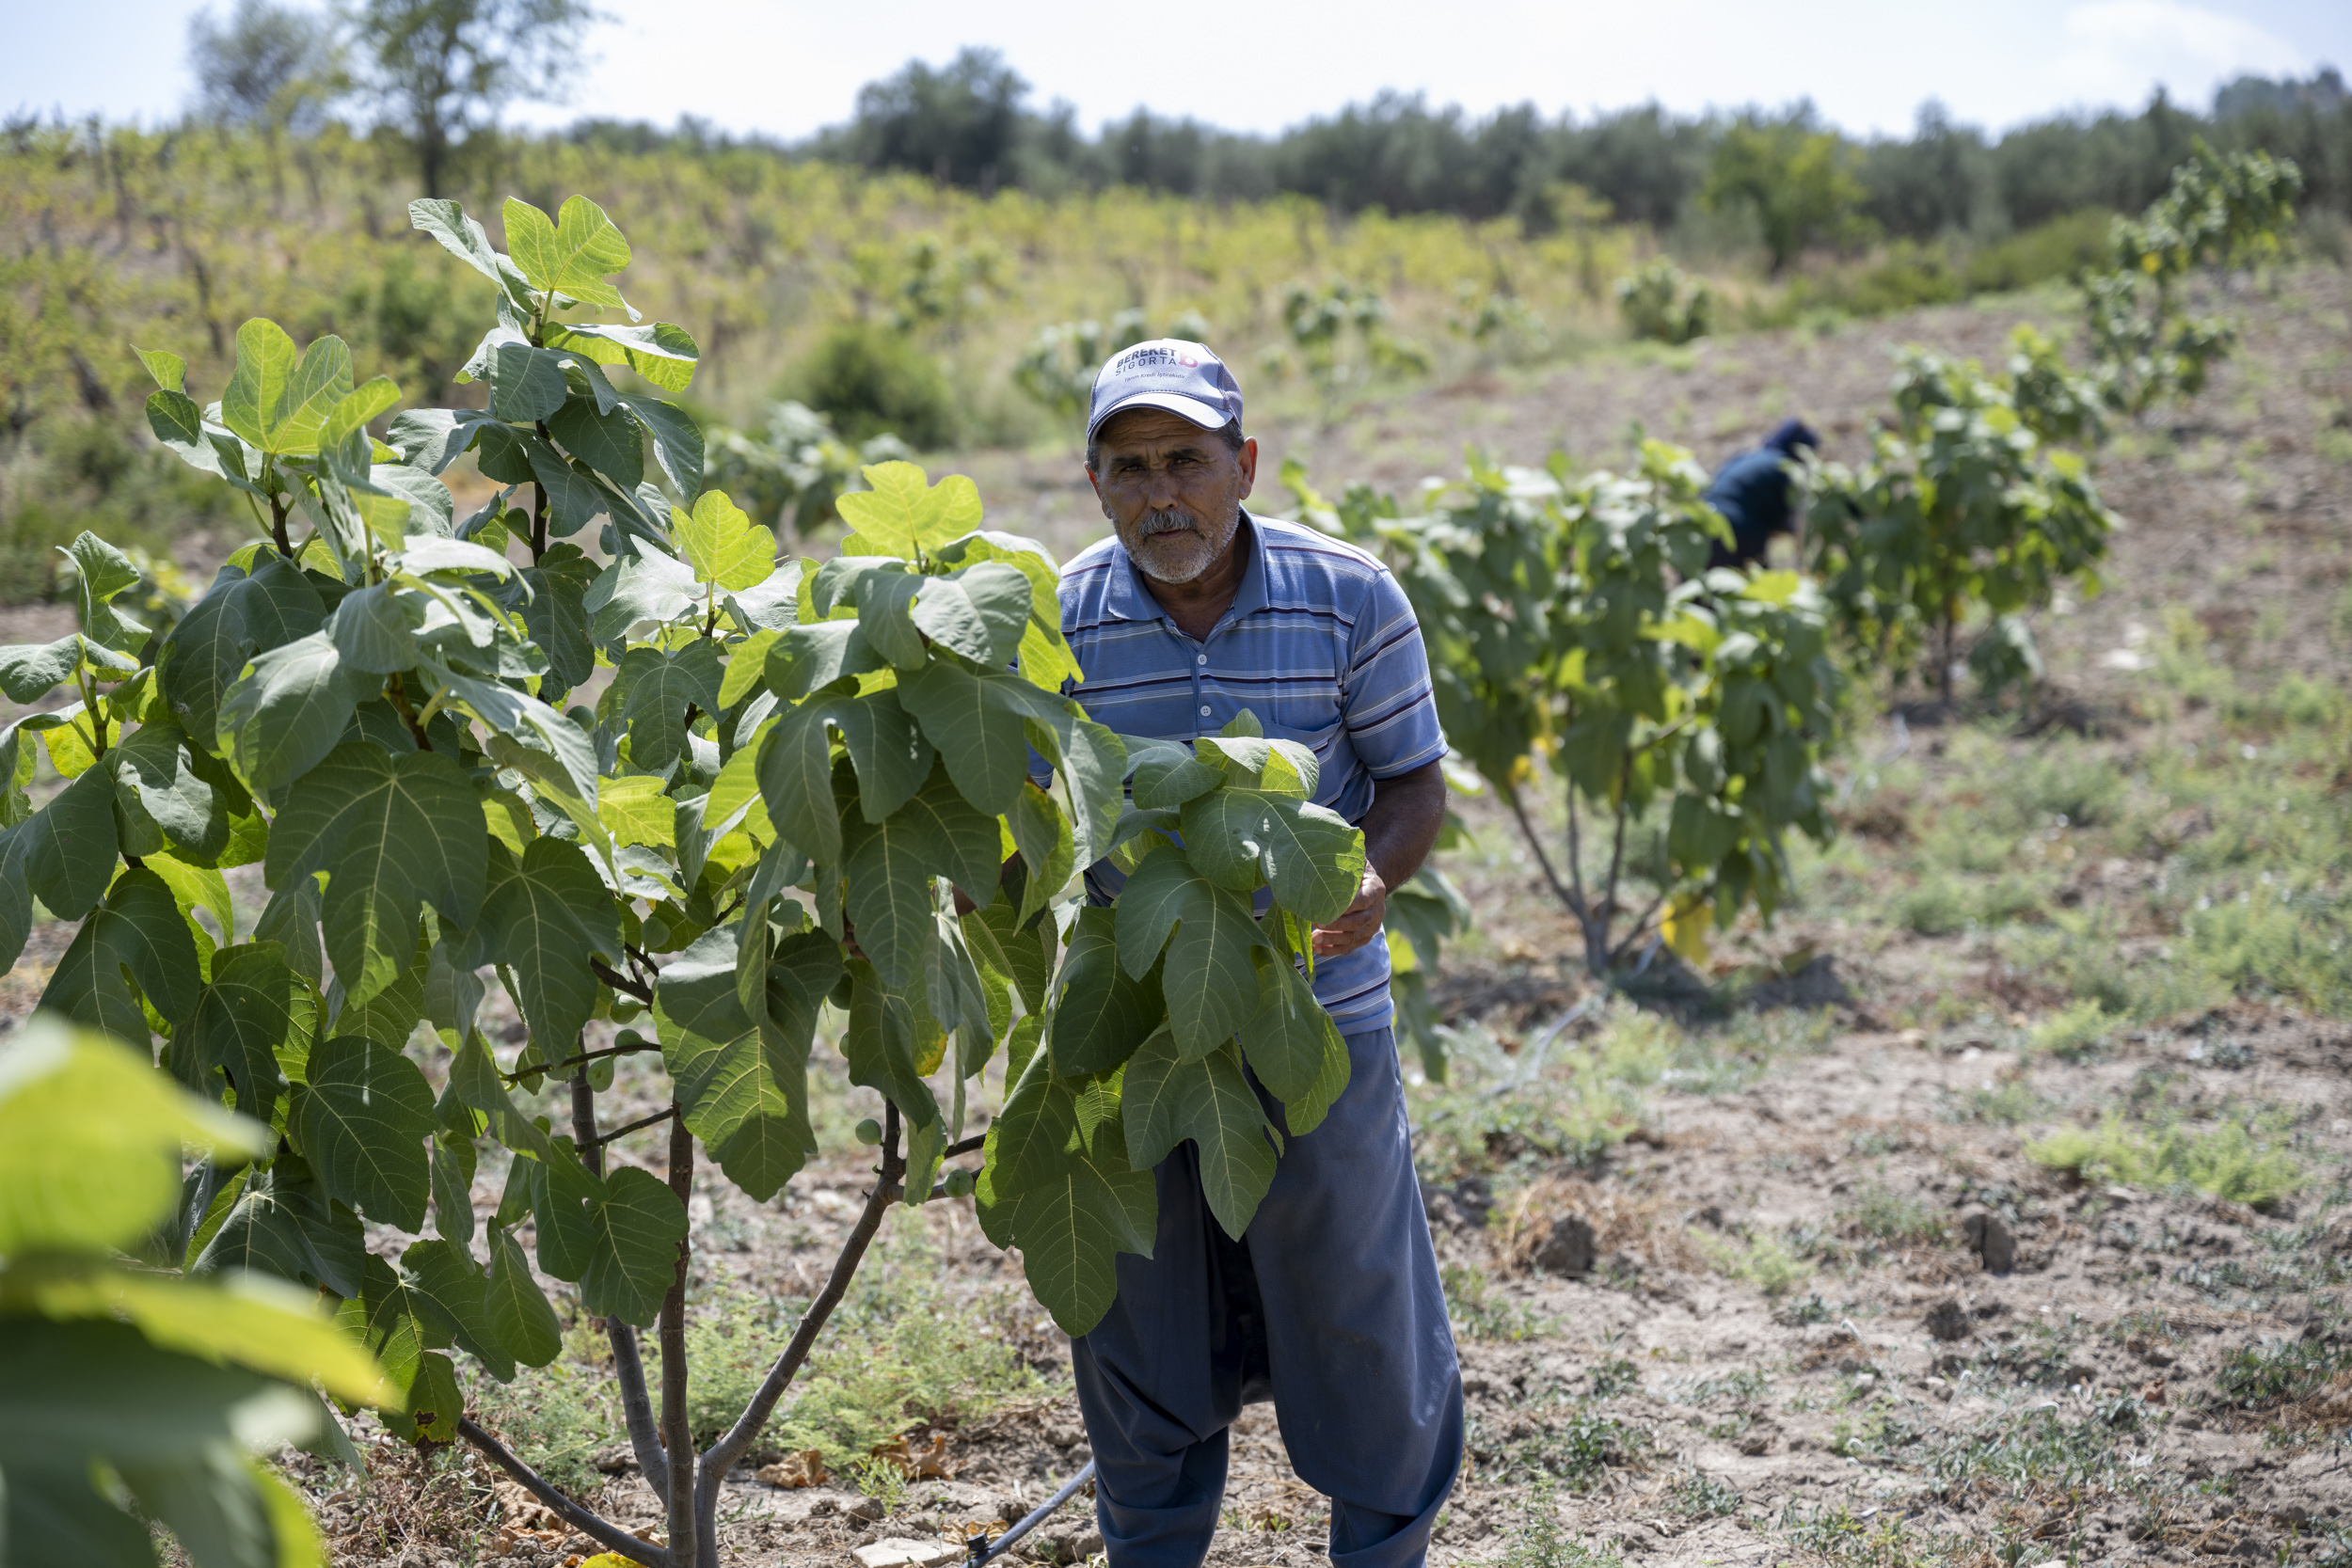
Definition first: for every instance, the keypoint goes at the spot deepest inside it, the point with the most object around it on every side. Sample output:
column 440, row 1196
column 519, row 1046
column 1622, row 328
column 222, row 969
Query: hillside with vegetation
column 929, row 270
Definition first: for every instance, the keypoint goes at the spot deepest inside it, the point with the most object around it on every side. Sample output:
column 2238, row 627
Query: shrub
column 2279, row 1371
column 1323, row 322
column 1763, row 1261
column 1661, row 304
column 2075, row 1032
column 1500, row 322
column 1059, row 367
column 873, row 381
column 2221, row 211
column 2061, row 247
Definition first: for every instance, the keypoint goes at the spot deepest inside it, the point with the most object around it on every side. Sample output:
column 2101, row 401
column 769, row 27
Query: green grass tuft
column 2228, row 1162
column 1763, row 1261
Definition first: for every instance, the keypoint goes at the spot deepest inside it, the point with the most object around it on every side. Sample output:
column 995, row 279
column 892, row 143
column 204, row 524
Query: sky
column 786, row 69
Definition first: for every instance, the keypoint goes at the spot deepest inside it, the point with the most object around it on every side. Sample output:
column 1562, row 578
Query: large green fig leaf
column 518, row 1313
column 1210, row 978
column 363, row 1119
column 390, row 833
column 905, row 513
column 244, row 613
column 741, row 1079
column 1165, row 1099
column 1070, row 1230
column 634, row 1224
column 138, row 932
column 547, row 915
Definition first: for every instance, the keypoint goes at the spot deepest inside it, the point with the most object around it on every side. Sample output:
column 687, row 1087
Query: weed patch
column 1538, row 1541
column 1568, row 1445
column 1696, row 1495
column 2076, row 1033
column 2036, row 1453
column 1763, row 1261
column 2280, row 1371
column 902, row 1352
column 1872, row 1539
column 1882, row 1214
column 1480, row 1313
column 1494, row 1114
column 2228, row 1162
column 2011, row 1104
column 1614, row 1376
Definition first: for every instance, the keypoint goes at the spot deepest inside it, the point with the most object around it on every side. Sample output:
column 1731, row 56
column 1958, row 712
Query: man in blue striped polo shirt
column 1329, row 1303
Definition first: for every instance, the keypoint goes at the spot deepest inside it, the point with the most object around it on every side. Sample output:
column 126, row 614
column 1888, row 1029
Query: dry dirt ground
column 1809, row 1300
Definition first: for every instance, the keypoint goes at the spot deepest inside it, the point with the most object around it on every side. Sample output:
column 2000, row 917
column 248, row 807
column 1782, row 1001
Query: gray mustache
column 1167, row 521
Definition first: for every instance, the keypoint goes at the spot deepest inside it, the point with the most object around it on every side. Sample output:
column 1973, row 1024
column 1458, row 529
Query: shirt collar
column 1128, row 599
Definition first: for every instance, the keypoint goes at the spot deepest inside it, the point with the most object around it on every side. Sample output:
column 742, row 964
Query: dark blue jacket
column 1754, row 493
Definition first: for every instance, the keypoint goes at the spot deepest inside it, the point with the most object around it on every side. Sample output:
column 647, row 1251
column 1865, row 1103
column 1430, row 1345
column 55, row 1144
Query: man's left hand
column 1361, row 922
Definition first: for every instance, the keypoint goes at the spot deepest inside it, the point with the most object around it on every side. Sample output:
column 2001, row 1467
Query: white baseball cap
column 1183, row 377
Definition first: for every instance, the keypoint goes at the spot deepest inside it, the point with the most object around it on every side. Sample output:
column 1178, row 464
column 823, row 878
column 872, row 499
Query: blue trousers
column 1328, row 1305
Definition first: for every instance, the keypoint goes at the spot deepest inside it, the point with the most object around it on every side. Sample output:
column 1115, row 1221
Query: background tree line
column 437, row 72
column 970, row 123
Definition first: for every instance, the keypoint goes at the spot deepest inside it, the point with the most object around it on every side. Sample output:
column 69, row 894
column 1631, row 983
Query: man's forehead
column 1134, row 427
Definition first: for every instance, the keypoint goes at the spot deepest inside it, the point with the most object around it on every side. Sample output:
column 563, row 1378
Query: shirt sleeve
column 1389, row 708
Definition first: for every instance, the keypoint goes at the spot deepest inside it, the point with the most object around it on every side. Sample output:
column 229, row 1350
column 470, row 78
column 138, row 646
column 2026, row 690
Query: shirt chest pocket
column 1325, row 741
column 1300, row 699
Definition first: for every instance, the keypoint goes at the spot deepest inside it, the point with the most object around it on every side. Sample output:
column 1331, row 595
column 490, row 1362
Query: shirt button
column 1200, row 659
column 1204, row 710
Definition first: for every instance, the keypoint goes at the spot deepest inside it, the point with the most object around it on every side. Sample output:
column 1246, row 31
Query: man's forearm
column 1407, row 815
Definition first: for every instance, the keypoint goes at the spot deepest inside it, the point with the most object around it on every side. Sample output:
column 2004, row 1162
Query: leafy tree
column 442, row 69
column 796, row 779
column 1798, row 180
column 1322, row 323
column 1974, row 508
column 268, row 65
column 961, row 125
column 1935, row 182
column 1573, row 621
column 1969, row 514
column 2222, row 213
column 104, row 1361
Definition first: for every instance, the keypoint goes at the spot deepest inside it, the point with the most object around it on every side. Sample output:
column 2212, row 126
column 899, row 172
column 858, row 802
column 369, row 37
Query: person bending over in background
column 1756, row 492
column 1329, row 1303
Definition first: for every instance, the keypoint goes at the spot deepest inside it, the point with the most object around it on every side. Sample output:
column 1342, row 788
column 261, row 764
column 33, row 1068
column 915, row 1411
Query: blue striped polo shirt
column 1319, row 643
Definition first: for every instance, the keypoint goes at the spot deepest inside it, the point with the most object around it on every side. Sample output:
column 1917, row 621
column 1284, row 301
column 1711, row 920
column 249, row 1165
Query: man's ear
column 1247, row 460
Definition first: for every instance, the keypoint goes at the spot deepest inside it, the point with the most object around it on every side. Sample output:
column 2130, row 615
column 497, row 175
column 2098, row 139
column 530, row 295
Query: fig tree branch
column 724, row 1454
column 589, row 1525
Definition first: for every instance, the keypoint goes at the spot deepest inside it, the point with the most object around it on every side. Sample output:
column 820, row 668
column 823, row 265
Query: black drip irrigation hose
column 981, row 1551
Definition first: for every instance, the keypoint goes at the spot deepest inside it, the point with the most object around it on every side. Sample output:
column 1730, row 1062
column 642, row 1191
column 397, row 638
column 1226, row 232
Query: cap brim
column 1204, row 414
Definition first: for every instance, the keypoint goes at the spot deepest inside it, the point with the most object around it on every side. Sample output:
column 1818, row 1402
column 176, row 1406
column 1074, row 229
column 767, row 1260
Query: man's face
column 1172, row 490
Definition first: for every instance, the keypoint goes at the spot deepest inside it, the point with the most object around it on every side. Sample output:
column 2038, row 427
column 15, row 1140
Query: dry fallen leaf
column 924, row 1463
column 805, row 1468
